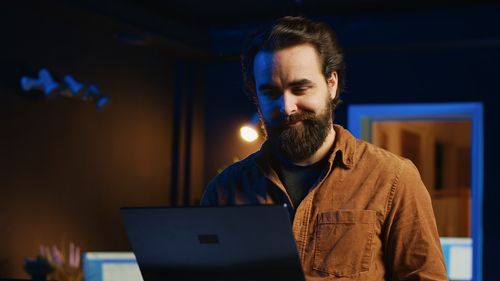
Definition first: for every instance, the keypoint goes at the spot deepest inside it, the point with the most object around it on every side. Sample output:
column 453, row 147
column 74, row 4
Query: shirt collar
column 344, row 147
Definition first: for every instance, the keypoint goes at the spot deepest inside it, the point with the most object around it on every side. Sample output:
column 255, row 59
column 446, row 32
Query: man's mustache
column 285, row 121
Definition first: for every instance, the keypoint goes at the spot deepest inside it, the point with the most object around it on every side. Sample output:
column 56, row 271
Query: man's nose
column 288, row 104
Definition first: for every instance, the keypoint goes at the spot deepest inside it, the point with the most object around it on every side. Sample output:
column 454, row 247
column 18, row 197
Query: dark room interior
column 171, row 70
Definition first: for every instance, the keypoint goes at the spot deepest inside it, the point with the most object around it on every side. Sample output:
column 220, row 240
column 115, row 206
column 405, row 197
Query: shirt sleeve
column 412, row 241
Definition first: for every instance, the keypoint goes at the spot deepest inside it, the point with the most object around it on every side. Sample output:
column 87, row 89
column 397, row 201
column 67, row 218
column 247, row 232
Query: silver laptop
column 213, row 243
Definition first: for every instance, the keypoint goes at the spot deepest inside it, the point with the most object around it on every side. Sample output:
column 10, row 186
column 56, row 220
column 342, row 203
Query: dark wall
column 65, row 167
column 227, row 108
column 423, row 56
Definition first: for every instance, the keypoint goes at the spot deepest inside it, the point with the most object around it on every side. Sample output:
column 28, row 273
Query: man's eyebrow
column 301, row 82
column 295, row 83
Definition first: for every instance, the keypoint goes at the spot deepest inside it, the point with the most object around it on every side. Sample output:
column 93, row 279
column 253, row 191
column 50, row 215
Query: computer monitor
column 110, row 266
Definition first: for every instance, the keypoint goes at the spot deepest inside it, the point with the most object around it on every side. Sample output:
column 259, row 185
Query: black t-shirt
column 298, row 180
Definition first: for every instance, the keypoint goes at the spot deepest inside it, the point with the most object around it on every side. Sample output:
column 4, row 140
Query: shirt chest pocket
column 343, row 242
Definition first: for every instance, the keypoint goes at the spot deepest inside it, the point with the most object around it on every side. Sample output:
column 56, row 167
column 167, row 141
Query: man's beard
column 300, row 142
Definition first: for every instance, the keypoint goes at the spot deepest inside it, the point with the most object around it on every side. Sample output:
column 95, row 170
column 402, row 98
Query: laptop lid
column 213, row 243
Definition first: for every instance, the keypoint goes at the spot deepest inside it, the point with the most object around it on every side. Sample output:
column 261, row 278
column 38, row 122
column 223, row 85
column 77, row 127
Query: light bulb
column 248, row 134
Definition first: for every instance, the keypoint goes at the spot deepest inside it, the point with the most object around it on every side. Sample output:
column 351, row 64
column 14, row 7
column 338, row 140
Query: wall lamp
column 249, row 132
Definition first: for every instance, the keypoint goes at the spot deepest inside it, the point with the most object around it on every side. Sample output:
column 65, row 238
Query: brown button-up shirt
column 369, row 217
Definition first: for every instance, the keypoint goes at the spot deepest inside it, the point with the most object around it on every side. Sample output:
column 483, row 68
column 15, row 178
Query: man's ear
column 332, row 84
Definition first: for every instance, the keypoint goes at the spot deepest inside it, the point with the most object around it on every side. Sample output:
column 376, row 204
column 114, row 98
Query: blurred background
column 176, row 104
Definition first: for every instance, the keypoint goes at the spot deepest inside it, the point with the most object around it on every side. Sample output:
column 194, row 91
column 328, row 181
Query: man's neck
column 321, row 152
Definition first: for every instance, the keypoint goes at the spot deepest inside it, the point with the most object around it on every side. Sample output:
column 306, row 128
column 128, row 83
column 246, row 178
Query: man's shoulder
column 371, row 152
column 249, row 162
column 385, row 164
column 238, row 174
column 238, row 169
column 364, row 154
column 382, row 163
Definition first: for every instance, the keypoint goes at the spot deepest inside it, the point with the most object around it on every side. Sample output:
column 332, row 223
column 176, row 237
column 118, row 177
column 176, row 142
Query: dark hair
column 291, row 31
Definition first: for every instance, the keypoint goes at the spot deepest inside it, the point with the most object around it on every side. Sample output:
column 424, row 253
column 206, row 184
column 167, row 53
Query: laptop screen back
column 213, row 243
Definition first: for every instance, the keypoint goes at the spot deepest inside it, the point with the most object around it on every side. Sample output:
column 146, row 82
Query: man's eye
column 299, row 90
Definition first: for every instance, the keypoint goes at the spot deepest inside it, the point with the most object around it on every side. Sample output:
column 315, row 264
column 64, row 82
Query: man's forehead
column 294, row 63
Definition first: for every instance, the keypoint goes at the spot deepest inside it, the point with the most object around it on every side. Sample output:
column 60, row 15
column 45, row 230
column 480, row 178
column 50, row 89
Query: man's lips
column 293, row 124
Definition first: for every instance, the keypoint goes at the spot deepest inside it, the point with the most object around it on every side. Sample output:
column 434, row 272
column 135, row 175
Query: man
column 359, row 212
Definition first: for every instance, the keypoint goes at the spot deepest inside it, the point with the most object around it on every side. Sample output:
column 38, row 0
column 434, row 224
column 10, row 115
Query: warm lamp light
column 248, row 134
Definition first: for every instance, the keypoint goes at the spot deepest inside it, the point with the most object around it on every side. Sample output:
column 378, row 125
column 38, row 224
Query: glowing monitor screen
column 110, row 266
